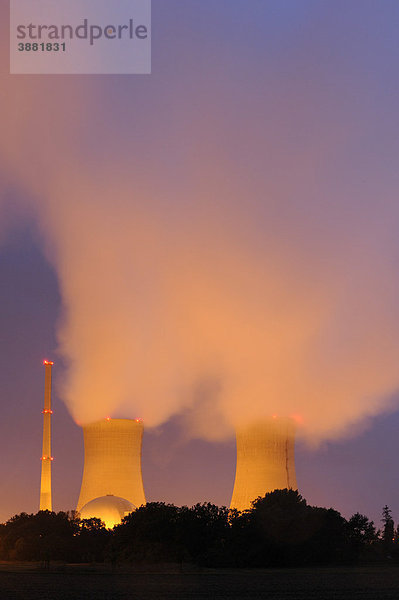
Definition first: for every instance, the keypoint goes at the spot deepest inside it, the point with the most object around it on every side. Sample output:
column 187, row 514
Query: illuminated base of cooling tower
column 265, row 460
column 110, row 509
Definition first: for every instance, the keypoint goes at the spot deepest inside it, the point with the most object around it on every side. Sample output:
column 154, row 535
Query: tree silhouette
column 203, row 531
column 280, row 530
column 388, row 532
column 362, row 536
column 91, row 540
column 45, row 536
column 148, row 534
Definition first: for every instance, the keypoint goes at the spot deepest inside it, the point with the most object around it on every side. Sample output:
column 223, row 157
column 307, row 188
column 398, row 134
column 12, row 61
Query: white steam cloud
column 210, row 263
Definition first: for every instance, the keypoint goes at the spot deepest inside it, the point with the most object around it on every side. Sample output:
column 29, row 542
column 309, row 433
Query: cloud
column 226, row 250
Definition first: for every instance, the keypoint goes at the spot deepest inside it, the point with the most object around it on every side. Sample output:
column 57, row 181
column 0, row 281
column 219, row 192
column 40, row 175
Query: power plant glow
column 265, row 460
column 112, row 484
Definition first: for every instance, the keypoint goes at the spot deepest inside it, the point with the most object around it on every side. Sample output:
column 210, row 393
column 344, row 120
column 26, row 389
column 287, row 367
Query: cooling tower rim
column 267, row 420
column 111, row 420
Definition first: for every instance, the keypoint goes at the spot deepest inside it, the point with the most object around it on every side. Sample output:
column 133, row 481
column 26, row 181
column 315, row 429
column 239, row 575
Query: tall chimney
column 112, row 480
column 265, row 460
column 45, row 484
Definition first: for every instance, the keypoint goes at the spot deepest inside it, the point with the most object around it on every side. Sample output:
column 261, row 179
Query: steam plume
column 210, row 259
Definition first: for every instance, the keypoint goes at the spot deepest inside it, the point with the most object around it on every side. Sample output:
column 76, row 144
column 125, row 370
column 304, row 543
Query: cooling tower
column 112, row 469
column 265, row 460
column 45, row 481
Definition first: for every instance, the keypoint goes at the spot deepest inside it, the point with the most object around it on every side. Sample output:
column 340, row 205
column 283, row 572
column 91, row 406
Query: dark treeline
column 280, row 530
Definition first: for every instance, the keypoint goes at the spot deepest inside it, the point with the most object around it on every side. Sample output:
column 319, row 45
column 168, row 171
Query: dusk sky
column 205, row 246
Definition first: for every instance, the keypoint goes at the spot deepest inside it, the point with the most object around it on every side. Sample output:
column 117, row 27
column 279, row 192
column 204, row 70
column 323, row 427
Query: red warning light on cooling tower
column 298, row 419
column 48, row 362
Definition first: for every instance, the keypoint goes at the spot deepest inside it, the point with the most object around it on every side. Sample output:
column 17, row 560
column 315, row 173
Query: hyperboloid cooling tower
column 265, row 460
column 112, row 484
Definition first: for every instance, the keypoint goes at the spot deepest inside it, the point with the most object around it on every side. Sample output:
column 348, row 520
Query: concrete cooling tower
column 112, row 484
column 265, row 460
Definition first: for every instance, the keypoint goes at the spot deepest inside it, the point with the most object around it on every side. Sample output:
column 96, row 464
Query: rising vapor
column 207, row 256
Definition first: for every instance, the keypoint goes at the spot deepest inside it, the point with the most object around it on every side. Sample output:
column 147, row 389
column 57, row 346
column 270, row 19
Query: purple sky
column 321, row 80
